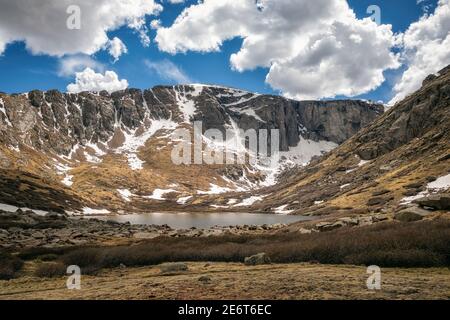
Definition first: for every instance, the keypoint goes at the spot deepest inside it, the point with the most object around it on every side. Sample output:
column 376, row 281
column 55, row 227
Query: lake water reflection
column 203, row 220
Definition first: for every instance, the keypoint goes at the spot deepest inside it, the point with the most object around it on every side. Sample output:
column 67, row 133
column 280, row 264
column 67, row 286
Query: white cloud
column 89, row 80
column 69, row 65
column 116, row 48
column 175, row 1
column 168, row 70
column 426, row 49
column 42, row 24
column 313, row 49
column 155, row 24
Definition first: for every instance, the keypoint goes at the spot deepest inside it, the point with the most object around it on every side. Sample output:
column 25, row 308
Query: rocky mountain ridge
column 113, row 149
column 93, row 117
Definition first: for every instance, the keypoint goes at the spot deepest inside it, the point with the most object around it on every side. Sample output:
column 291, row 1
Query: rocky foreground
column 23, row 229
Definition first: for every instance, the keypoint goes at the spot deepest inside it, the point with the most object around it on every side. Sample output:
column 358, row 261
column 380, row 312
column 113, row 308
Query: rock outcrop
column 411, row 214
column 400, row 157
column 257, row 259
column 436, row 201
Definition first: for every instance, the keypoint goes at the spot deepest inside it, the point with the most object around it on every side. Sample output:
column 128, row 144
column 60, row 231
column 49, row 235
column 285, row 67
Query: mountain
column 402, row 156
column 98, row 152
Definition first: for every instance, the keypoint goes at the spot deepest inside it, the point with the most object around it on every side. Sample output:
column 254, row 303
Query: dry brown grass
column 418, row 244
column 236, row 281
column 50, row 270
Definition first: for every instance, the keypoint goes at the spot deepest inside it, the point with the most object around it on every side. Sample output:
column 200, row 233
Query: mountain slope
column 401, row 156
column 114, row 150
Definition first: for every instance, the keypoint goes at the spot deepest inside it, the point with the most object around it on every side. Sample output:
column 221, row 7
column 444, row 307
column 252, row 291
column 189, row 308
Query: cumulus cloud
column 116, row 48
column 313, row 49
column 167, row 70
column 89, row 80
column 42, row 24
column 426, row 49
column 69, row 65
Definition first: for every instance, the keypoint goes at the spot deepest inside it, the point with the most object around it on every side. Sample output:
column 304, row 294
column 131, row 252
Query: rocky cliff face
column 402, row 156
column 58, row 121
column 115, row 148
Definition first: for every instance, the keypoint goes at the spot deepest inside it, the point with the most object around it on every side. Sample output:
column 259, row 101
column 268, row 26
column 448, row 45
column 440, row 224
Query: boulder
column 378, row 201
column 379, row 217
column 365, row 221
column 172, row 267
column 304, row 231
column 380, row 192
column 349, row 221
column 257, row 259
column 204, row 279
column 436, row 201
column 145, row 235
column 411, row 214
column 414, row 185
column 328, row 226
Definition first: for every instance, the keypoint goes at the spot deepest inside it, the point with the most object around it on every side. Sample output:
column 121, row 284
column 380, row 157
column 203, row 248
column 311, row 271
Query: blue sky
column 21, row 71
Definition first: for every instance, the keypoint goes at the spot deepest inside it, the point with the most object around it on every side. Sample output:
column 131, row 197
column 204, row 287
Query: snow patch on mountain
column 249, row 201
column 440, row 184
column 281, row 210
column 88, row 210
column 133, row 141
column 300, row 155
column 158, row 194
column 215, row 189
column 3, row 110
column 186, row 100
column 183, row 200
column 248, row 111
column 125, row 194
column 11, row 208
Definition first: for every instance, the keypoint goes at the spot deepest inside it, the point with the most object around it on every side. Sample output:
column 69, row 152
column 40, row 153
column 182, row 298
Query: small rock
column 38, row 235
column 380, row 192
column 204, row 279
column 145, row 235
column 414, row 185
column 349, row 221
column 365, row 221
column 410, row 192
column 173, row 267
column 411, row 214
column 328, row 226
column 378, row 201
column 304, row 231
column 257, row 259
column 379, row 217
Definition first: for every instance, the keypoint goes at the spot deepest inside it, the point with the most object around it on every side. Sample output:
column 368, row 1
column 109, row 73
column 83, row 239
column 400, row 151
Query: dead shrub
column 50, row 270
column 9, row 266
column 388, row 244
